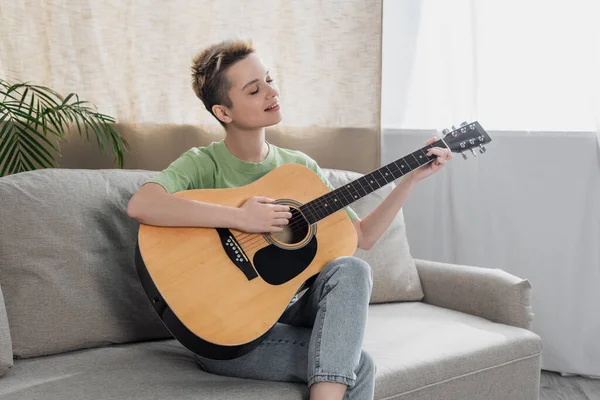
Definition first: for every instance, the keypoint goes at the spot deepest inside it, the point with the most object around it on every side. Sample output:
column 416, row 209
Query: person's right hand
column 261, row 214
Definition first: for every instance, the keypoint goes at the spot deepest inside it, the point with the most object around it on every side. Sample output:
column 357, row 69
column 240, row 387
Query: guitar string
column 321, row 202
column 294, row 227
column 257, row 238
column 253, row 238
column 298, row 219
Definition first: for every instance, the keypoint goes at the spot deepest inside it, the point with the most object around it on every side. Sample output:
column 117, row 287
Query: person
column 318, row 339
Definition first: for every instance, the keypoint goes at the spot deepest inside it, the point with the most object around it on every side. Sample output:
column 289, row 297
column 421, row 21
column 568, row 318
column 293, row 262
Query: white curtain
column 529, row 72
column 524, row 65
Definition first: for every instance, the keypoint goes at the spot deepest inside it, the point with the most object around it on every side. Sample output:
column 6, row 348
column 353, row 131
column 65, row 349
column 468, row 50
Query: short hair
column 209, row 67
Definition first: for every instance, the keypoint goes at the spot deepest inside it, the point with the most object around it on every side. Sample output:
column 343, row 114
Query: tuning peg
column 464, row 155
column 473, row 151
column 482, row 149
column 446, row 131
column 464, row 123
column 453, row 128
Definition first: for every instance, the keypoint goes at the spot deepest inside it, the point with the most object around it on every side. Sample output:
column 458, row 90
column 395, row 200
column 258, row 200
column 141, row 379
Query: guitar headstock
column 467, row 137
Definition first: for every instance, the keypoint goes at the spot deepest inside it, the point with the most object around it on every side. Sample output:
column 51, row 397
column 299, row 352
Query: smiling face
column 253, row 95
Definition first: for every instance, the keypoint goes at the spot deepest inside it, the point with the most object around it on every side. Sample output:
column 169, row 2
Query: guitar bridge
column 236, row 254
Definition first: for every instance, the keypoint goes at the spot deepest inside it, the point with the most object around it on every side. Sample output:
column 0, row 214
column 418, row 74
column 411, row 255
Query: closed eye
column 256, row 91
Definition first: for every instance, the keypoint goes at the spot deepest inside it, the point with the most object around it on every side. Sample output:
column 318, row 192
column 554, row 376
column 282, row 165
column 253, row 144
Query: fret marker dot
column 386, row 173
column 355, row 197
column 420, row 156
column 334, row 199
column 325, row 204
column 402, row 166
column 371, row 181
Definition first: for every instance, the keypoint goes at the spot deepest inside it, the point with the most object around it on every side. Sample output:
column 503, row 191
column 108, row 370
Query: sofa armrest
column 492, row 294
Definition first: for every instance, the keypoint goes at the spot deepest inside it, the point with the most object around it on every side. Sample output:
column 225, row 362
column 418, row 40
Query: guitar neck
column 341, row 197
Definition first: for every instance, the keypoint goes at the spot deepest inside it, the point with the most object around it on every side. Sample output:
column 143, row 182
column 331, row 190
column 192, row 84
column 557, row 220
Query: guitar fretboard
column 343, row 196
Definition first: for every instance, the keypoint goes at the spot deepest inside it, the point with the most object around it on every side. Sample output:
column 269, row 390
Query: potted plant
column 33, row 119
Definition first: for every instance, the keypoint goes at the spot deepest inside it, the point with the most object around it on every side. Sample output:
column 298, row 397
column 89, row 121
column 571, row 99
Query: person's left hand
column 443, row 155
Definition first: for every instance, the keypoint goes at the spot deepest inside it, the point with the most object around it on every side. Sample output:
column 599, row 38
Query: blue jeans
column 318, row 338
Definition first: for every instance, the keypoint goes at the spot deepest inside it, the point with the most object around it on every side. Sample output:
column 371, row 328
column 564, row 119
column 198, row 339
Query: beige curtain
column 132, row 59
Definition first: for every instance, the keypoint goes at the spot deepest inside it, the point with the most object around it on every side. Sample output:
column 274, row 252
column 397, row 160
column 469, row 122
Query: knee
column 357, row 269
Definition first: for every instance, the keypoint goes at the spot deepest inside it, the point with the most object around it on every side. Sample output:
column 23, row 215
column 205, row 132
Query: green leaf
column 48, row 113
column 34, row 152
column 6, row 139
column 27, row 109
column 78, row 126
column 118, row 144
column 7, row 156
column 66, row 100
column 13, row 165
column 86, row 123
column 18, row 112
column 2, row 118
column 24, row 97
column 99, row 132
column 30, row 165
column 37, row 148
column 46, row 99
column 16, row 122
column 13, row 88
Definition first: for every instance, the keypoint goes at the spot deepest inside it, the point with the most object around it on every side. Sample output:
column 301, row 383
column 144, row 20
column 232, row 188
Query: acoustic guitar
column 219, row 291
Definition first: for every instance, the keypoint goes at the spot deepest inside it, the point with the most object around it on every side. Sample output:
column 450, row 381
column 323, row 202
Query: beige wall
column 132, row 59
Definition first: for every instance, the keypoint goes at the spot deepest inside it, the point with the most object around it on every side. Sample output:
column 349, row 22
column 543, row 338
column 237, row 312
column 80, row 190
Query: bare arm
column 370, row 229
column 152, row 205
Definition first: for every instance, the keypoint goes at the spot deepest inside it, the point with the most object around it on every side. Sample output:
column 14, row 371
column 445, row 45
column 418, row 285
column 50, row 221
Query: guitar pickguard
column 277, row 266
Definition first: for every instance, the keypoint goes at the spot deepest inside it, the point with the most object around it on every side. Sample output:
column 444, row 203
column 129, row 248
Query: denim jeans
column 318, row 338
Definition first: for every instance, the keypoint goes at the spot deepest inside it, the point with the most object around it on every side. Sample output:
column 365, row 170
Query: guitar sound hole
column 295, row 232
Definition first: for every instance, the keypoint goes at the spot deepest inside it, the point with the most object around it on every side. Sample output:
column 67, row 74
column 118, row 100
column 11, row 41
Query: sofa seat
column 428, row 352
column 422, row 352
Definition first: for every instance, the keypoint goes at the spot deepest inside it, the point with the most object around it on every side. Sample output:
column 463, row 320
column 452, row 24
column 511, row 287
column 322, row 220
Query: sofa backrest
column 154, row 146
column 67, row 259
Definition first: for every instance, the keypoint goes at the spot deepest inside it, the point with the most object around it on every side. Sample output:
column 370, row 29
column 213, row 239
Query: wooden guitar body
column 220, row 291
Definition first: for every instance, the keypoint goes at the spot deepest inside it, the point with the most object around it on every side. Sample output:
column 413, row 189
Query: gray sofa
column 75, row 322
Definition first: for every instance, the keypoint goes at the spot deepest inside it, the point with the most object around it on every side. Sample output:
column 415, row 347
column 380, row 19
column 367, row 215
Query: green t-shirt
column 214, row 167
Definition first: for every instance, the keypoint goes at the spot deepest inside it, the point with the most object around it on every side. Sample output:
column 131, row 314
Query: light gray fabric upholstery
column 395, row 276
column 422, row 352
column 418, row 346
column 67, row 261
column 67, row 270
column 489, row 293
column 6, row 354
column 151, row 370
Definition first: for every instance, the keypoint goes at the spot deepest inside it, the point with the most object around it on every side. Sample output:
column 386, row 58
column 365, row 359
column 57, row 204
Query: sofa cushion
column 422, row 352
column 67, row 261
column 427, row 352
column 395, row 276
column 151, row 370
column 6, row 354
